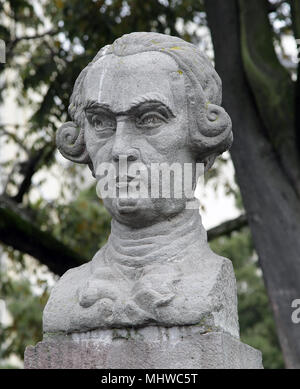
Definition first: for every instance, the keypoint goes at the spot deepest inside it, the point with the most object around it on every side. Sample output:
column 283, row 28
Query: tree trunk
column 269, row 194
column 18, row 231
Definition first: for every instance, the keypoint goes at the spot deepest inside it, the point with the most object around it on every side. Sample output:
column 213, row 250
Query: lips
column 127, row 202
column 123, row 181
column 127, row 205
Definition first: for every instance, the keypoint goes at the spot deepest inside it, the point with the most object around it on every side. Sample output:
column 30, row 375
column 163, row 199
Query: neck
column 166, row 241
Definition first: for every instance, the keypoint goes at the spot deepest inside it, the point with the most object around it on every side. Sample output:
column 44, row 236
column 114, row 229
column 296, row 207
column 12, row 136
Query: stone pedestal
column 145, row 348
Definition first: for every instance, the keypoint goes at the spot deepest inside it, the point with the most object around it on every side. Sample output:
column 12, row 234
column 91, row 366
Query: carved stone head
column 148, row 98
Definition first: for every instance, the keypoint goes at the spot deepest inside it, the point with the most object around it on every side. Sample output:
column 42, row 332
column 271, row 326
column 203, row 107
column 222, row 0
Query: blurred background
column 52, row 220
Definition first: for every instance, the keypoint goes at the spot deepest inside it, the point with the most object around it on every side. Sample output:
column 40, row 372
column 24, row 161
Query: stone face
column 148, row 99
column 145, row 348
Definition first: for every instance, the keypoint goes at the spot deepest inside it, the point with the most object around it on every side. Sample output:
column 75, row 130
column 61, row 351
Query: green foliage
column 25, row 310
column 84, row 224
column 256, row 321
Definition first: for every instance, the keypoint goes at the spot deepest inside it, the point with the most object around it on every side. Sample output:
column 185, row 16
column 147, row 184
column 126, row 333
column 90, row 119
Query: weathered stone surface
column 197, row 288
column 147, row 348
column 148, row 99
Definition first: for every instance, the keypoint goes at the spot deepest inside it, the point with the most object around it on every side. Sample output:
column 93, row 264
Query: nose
column 129, row 154
column 122, row 147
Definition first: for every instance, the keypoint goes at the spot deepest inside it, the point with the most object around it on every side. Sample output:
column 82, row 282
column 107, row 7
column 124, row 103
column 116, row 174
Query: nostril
column 132, row 157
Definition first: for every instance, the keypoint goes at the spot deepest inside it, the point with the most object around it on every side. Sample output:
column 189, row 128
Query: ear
column 71, row 144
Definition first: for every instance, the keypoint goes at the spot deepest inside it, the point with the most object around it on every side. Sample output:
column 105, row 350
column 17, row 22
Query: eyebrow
column 135, row 104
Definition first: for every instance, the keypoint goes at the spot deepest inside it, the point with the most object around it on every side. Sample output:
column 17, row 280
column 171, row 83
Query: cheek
column 99, row 150
column 170, row 140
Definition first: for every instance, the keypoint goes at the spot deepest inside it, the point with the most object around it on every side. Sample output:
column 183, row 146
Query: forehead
column 118, row 81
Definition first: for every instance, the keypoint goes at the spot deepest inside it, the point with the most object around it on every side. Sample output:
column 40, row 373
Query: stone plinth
column 144, row 348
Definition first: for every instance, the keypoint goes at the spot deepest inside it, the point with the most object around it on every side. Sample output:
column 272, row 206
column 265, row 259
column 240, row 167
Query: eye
column 97, row 122
column 103, row 124
column 150, row 120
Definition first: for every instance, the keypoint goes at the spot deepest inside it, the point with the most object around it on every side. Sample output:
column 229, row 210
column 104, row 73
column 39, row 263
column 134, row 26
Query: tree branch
column 13, row 136
column 12, row 44
column 18, row 231
column 227, row 227
column 30, row 167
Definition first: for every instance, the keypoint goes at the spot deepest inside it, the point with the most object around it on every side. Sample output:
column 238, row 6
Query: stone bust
column 149, row 98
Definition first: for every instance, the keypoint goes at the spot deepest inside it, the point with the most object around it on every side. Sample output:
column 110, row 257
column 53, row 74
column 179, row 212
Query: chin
column 141, row 212
column 132, row 212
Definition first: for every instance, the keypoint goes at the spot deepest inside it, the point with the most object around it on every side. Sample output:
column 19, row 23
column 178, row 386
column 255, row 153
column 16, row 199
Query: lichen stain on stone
column 176, row 48
column 118, row 335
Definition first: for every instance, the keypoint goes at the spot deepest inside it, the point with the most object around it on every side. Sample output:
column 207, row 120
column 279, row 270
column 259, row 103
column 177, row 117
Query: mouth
column 125, row 203
column 123, row 181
